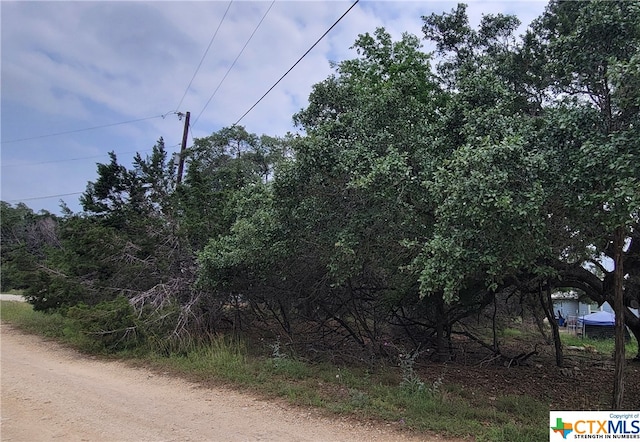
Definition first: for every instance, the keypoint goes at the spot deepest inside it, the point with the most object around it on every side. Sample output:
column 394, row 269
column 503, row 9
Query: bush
column 110, row 325
column 49, row 294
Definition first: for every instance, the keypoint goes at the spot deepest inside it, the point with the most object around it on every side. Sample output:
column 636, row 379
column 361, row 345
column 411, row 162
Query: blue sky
column 71, row 65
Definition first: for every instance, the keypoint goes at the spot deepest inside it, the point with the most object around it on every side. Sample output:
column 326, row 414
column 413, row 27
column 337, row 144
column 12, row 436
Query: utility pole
column 184, row 146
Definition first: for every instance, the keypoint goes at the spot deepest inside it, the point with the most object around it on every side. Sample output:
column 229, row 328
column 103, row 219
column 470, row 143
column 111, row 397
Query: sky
column 80, row 79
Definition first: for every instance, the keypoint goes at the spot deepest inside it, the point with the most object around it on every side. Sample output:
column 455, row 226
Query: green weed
column 511, row 432
column 518, row 405
column 603, row 346
column 289, row 368
column 23, row 315
column 511, row 332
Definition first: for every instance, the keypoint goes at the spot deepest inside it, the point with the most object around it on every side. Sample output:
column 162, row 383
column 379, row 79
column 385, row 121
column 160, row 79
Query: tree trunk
column 547, row 305
column 443, row 354
column 555, row 330
column 618, row 307
column 494, row 326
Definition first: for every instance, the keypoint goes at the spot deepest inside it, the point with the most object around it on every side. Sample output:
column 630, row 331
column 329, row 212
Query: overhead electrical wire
column 85, row 129
column 296, row 63
column 204, row 55
column 65, row 160
column 62, row 161
column 234, row 62
column 43, row 197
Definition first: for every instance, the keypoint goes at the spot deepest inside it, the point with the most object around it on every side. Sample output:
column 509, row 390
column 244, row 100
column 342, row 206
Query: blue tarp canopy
column 599, row 318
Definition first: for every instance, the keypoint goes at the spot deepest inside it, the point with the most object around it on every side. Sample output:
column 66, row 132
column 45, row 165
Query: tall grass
column 225, row 358
column 22, row 314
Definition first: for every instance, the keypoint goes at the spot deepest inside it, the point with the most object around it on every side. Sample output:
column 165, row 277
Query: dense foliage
column 422, row 189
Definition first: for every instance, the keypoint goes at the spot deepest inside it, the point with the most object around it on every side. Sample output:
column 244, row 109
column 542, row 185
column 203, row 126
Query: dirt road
column 52, row 393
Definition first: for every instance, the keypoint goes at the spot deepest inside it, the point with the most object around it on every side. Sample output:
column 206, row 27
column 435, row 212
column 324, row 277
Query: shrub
column 109, row 325
column 53, row 293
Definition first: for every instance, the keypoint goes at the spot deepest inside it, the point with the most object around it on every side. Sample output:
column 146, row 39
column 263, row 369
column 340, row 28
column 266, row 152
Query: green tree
column 347, row 213
column 593, row 58
column 122, row 244
column 490, row 219
column 545, row 148
column 217, row 167
column 489, row 200
column 26, row 237
column 121, row 195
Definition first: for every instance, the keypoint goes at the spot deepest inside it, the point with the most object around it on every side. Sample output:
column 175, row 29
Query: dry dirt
column 585, row 382
column 52, row 393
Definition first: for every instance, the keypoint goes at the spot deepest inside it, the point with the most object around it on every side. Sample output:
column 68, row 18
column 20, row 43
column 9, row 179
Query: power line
column 296, row 63
column 81, row 158
column 86, row 129
column 60, row 161
column 74, row 159
column 234, row 63
column 43, row 197
column 204, row 55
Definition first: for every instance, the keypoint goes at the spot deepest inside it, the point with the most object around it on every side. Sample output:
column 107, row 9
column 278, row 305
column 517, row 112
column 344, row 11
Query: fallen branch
column 521, row 359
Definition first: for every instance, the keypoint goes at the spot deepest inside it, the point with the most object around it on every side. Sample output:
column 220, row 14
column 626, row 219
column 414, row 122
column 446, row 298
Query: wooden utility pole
column 185, row 133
